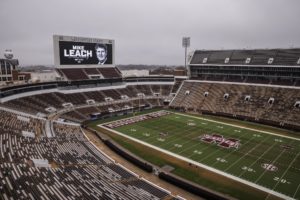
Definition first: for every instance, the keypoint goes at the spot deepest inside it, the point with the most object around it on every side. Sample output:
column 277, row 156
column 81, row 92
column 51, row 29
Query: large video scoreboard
column 72, row 51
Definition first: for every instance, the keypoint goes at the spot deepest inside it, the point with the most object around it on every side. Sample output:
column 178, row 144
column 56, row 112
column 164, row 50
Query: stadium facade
column 268, row 66
column 256, row 85
column 9, row 70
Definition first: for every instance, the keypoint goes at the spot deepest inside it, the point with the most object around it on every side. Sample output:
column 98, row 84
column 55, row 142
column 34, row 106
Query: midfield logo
column 269, row 167
column 221, row 141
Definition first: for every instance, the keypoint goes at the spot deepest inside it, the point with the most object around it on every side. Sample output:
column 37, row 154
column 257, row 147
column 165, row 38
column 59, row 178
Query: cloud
column 148, row 31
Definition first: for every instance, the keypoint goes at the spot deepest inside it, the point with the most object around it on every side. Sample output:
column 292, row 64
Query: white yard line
column 234, row 150
column 202, row 165
column 193, row 146
column 154, row 136
column 277, row 157
column 284, row 173
column 245, row 154
column 188, row 148
column 212, row 153
column 173, row 147
column 178, row 138
column 171, row 139
column 259, row 158
column 296, row 191
column 237, row 126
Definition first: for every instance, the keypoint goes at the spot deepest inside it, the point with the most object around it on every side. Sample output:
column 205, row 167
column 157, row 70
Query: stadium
column 227, row 130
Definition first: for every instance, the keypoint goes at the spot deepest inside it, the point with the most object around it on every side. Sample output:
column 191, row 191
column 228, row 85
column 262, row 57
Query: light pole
column 186, row 41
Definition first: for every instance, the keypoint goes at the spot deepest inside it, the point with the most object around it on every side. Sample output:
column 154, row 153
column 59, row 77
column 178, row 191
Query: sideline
column 237, row 126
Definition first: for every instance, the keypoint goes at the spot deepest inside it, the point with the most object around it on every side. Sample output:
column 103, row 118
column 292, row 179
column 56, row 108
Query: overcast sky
column 147, row 31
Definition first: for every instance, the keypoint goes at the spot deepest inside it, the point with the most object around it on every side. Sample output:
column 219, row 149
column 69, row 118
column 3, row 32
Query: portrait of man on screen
column 101, row 53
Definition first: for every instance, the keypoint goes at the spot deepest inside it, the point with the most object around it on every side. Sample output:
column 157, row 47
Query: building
column 7, row 68
column 268, row 66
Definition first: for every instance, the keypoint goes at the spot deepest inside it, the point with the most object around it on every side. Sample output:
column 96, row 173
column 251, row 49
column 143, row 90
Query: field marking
column 277, row 157
column 296, row 191
column 206, row 146
column 179, row 137
column 284, row 174
column 169, row 128
column 246, row 153
column 272, row 163
column 258, row 158
column 243, row 155
column 217, row 150
column 192, row 146
column 170, row 137
column 184, row 143
column 254, row 185
column 153, row 136
column 203, row 148
column 237, row 126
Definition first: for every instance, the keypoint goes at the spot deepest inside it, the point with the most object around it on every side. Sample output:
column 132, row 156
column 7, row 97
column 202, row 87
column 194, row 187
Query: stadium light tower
column 186, row 41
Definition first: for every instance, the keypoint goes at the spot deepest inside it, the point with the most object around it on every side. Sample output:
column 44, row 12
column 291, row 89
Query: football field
column 263, row 160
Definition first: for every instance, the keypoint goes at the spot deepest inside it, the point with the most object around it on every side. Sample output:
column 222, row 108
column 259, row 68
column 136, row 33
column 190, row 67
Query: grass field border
column 205, row 166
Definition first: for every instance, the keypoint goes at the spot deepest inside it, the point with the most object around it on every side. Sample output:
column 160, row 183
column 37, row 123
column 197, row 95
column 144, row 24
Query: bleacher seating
column 166, row 90
column 95, row 95
column 38, row 103
column 74, row 74
column 126, row 91
column 91, row 71
column 257, row 56
column 82, row 73
column 257, row 108
column 77, row 170
column 74, row 115
column 176, row 85
column 111, row 93
column 110, row 72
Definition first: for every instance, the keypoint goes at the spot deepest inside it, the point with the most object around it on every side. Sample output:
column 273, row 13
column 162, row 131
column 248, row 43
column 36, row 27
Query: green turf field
column 259, row 158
